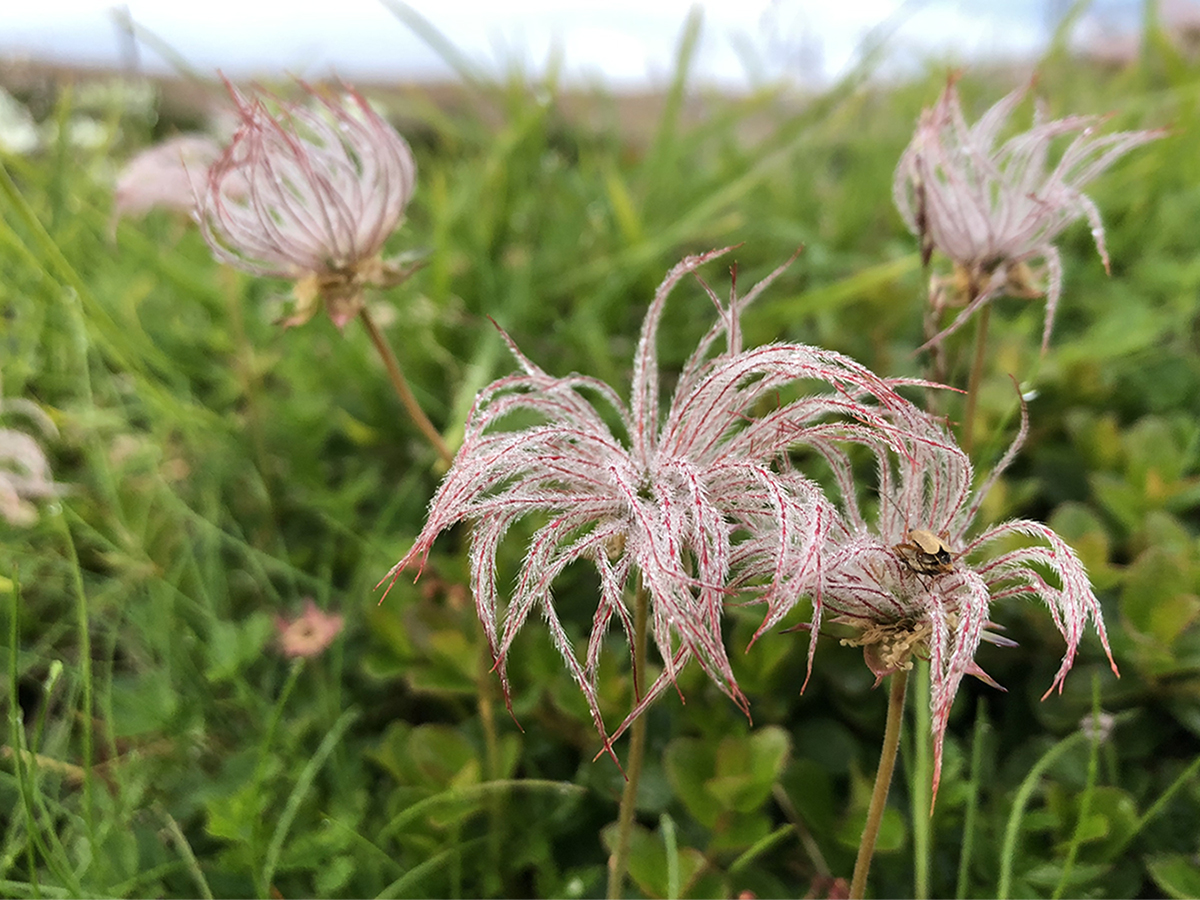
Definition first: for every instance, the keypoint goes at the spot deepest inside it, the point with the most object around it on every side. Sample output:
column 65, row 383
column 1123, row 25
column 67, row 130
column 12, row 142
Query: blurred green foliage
column 221, row 470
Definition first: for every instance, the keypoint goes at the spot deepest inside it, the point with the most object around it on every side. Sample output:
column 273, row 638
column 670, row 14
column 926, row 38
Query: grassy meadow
column 220, row 470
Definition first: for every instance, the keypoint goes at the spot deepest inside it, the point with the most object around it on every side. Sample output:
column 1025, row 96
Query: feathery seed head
column 993, row 210
column 905, row 599
column 310, row 193
column 696, row 503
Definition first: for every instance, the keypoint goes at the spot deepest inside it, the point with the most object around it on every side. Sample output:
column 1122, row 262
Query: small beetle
column 924, row 552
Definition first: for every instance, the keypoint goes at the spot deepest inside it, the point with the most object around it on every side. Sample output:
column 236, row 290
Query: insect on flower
column 924, row 552
column 310, row 193
column 697, row 504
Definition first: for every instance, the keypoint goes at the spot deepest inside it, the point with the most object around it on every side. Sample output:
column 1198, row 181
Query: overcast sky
column 623, row 42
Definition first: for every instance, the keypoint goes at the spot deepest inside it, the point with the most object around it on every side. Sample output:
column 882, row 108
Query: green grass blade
column 1008, row 849
column 972, row 812
column 405, row 885
column 1085, row 803
column 299, row 790
column 472, row 793
column 667, row 826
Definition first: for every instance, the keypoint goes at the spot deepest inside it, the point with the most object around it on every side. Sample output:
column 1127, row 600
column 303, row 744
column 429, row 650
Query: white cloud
column 628, row 41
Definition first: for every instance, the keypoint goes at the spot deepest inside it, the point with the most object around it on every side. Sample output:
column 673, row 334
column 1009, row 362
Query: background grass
column 222, row 470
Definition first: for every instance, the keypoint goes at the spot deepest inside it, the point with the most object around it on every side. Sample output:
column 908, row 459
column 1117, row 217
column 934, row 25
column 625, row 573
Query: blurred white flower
column 24, row 471
column 1098, row 727
column 18, row 131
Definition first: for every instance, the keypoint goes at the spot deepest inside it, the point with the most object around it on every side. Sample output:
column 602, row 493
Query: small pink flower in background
column 995, row 210
column 307, row 634
column 916, row 585
column 171, row 176
column 310, row 194
column 696, row 505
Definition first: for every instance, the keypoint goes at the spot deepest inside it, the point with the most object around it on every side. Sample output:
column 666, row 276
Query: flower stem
column 619, row 861
column 403, row 390
column 968, row 426
column 883, row 782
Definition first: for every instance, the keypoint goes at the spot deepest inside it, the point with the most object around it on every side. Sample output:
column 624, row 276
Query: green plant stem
column 968, row 425
column 185, row 850
column 883, row 783
column 1085, row 803
column 1158, row 805
column 1008, row 850
column 968, row 833
column 921, row 781
column 807, row 841
column 400, row 383
column 491, row 744
column 637, row 750
column 85, row 678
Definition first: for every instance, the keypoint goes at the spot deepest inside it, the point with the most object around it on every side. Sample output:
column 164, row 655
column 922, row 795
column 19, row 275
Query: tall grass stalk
column 975, row 378
column 1085, row 800
column 300, row 789
column 920, row 781
column 970, row 816
column 1012, row 829
column 87, row 720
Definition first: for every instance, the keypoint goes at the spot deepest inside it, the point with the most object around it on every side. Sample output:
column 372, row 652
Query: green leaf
column 333, row 874
column 237, row 816
column 442, row 756
column 689, row 764
column 1176, row 873
column 1048, row 875
column 892, row 830
column 232, row 646
column 1158, row 598
column 747, row 768
column 1085, row 532
column 1118, row 810
column 829, row 743
column 648, row 864
column 143, row 704
column 810, row 788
